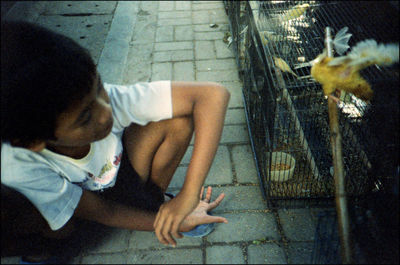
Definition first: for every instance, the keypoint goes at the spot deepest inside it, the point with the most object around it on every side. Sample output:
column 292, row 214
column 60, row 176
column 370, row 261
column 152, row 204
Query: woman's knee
column 181, row 128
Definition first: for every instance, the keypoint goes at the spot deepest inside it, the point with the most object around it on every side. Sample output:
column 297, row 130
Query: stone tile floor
column 174, row 40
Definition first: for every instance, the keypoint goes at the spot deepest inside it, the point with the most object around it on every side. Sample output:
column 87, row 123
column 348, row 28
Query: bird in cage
column 273, row 21
column 343, row 73
column 340, row 42
column 267, row 36
column 282, row 65
column 367, row 53
column 294, row 12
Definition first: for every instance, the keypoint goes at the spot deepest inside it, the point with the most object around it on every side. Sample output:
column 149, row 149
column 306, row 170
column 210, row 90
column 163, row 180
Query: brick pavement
column 151, row 40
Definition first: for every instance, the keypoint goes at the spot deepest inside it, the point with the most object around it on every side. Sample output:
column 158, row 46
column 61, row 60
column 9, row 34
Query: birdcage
column 374, row 229
column 286, row 111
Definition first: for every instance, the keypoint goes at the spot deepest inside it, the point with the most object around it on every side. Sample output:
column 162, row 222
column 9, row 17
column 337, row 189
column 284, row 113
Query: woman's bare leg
column 155, row 150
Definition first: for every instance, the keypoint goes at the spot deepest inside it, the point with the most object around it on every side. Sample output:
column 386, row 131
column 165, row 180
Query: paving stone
column 186, row 158
column 116, row 48
column 112, row 258
column 204, row 2
column 140, row 72
column 161, row 71
column 138, row 64
column 222, row 50
column 218, row 76
column 200, row 17
column 74, row 260
column 111, row 240
column 244, row 164
column 145, row 29
column 173, row 56
column 297, row 224
column 267, row 253
column 176, row 45
column 239, row 198
column 149, row 6
column 166, row 5
column 207, row 28
column 123, row 22
column 214, row 35
column 112, row 63
column 218, row 16
column 300, row 252
column 89, row 31
column 68, row 7
column 220, row 171
column 235, row 116
column 204, row 50
column 245, row 226
column 170, row 256
column 145, row 240
column 174, row 21
column 173, row 14
column 165, row 33
column 212, row 65
column 224, row 255
column 10, row 260
column 207, row 6
column 184, row 32
column 28, row 11
column 235, row 88
column 316, row 212
column 235, row 134
column 183, row 5
column 183, row 71
column 178, row 179
column 221, row 168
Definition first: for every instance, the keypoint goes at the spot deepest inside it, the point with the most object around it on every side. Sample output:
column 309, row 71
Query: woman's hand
column 170, row 216
column 196, row 217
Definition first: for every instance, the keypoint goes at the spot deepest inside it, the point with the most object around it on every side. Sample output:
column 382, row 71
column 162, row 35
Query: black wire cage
column 287, row 113
column 288, row 123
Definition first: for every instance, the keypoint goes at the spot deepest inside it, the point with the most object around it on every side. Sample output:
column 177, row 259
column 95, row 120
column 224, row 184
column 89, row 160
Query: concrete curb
column 116, row 48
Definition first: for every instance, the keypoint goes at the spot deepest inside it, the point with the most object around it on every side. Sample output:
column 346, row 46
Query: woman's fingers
column 166, row 232
column 208, row 194
column 215, row 219
column 201, row 192
column 174, row 230
column 162, row 226
column 216, row 202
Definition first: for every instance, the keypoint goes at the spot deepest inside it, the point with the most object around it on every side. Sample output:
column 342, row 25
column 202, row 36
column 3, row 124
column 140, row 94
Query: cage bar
column 287, row 112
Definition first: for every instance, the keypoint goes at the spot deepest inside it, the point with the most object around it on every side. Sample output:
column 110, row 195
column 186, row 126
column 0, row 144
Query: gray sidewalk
column 151, row 40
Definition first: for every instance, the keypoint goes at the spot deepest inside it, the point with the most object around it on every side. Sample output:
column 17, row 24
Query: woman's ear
column 35, row 146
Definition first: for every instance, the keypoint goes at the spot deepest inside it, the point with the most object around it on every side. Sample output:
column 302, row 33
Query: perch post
column 340, row 192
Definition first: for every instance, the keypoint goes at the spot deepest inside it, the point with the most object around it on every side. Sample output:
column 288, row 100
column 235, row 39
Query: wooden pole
column 337, row 157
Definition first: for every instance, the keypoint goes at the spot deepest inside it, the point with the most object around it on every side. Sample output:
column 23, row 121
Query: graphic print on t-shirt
column 107, row 173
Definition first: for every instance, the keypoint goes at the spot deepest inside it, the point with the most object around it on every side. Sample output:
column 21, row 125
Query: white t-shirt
column 54, row 182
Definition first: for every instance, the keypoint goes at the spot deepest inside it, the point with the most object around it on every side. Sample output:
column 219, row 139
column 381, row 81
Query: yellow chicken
column 340, row 77
column 343, row 73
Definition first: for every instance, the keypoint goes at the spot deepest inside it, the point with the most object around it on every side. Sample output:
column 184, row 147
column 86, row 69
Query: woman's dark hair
column 42, row 74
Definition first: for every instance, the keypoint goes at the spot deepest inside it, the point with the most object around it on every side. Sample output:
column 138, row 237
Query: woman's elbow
column 221, row 92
